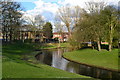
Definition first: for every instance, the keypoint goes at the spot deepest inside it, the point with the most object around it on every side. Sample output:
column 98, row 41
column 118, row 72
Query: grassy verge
column 15, row 65
column 104, row 58
column 54, row 45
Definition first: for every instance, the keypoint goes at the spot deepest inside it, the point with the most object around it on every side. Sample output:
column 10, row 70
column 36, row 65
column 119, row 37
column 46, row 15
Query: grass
column 54, row 45
column 15, row 67
column 12, row 69
column 104, row 58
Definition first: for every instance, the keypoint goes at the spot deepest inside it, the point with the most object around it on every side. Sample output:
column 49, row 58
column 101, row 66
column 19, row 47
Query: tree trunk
column 69, row 32
column 98, row 43
column 110, row 47
column 59, row 42
column 111, row 37
column 19, row 36
column 3, row 36
column 6, row 37
column 10, row 37
column 93, row 47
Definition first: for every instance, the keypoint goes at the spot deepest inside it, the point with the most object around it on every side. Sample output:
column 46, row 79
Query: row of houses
column 38, row 35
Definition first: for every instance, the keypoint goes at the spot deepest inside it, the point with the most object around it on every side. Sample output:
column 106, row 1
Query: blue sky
column 28, row 5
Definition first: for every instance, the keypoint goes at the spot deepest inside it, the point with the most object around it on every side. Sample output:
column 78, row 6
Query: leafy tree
column 47, row 30
column 99, row 24
column 111, row 17
column 89, row 26
column 10, row 17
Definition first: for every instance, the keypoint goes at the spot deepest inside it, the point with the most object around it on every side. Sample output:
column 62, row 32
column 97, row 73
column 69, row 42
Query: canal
column 54, row 58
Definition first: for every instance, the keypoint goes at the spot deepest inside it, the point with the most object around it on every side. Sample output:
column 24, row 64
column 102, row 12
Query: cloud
column 81, row 3
column 42, row 6
column 48, row 8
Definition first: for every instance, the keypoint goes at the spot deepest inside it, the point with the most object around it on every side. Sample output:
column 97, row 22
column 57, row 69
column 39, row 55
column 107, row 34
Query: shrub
column 28, row 40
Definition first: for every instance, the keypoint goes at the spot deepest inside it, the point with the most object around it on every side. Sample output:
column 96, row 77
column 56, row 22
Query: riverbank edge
column 90, row 65
column 109, row 69
column 54, row 48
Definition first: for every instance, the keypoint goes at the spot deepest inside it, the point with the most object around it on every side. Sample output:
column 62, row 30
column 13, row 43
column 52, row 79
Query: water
column 54, row 58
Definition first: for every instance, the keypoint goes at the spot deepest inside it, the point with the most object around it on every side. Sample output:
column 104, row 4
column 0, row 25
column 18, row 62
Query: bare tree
column 77, row 12
column 59, row 28
column 65, row 15
column 36, row 22
column 95, row 7
column 70, row 16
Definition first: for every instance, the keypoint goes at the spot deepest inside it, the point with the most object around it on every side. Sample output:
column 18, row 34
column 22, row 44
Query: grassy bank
column 15, row 64
column 104, row 58
column 13, row 69
column 54, row 45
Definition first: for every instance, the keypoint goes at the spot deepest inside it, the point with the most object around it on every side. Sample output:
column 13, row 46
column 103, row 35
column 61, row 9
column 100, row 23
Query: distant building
column 34, row 35
column 63, row 37
column 105, row 43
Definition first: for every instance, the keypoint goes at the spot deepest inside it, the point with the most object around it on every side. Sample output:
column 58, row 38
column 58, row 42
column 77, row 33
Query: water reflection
column 73, row 67
column 64, row 63
column 44, row 57
column 54, row 59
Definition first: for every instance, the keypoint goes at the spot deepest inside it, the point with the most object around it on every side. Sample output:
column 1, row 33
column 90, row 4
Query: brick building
column 63, row 37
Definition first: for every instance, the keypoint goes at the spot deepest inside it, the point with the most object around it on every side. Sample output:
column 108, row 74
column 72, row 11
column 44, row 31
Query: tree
column 58, row 28
column 36, row 22
column 84, row 29
column 99, row 24
column 95, row 7
column 89, row 25
column 96, row 28
column 65, row 15
column 111, row 17
column 47, row 30
column 10, row 17
column 69, row 16
column 77, row 12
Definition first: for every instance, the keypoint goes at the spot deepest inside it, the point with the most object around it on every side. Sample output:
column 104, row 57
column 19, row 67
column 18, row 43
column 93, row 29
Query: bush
column 115, row 43
column 18, row 41
column 74, row 44
column 28, row 40
column 103, row 46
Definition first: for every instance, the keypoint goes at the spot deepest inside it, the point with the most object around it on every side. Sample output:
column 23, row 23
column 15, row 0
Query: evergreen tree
column 47, row 30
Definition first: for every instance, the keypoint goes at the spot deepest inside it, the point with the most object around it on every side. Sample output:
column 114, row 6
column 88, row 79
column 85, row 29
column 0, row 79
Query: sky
column 48, row 8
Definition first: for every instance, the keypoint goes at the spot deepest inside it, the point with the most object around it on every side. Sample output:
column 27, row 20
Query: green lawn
column 102, row 58
column 54, row 45
column 15, row 67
